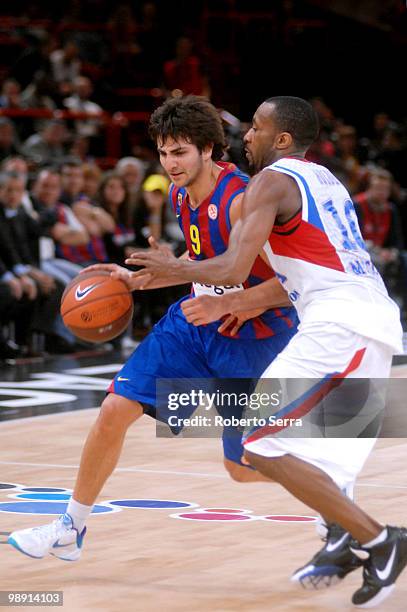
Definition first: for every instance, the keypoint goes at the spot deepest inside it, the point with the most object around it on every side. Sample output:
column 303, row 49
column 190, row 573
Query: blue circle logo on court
column 47, row 507
column 44, row 500
column 151, row 504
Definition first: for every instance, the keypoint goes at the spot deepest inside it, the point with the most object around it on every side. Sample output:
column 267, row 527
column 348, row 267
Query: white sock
column 377, row 540
column 79, row 513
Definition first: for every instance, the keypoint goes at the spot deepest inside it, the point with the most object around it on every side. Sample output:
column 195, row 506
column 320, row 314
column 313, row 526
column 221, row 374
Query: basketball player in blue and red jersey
column 206, row 195
column 304, row 219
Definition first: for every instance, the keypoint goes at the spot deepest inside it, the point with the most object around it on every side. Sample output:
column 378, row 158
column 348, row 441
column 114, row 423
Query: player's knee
column 117, row 414
column 237, row 472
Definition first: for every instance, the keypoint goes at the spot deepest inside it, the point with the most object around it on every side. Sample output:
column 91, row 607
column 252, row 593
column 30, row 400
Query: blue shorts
column 177, row 349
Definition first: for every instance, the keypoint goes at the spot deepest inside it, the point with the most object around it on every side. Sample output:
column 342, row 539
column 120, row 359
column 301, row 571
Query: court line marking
column 129, row 469
column 171, row 472
column 45, row 416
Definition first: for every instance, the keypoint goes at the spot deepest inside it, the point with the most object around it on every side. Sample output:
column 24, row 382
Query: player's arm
column 259, row 209
column 145, row 280
column 269, row 294
column 71, row 236
column 95, row 219
column 239, row 305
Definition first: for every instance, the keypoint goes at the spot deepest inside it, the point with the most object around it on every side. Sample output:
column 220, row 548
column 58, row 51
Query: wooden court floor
column 146, row 560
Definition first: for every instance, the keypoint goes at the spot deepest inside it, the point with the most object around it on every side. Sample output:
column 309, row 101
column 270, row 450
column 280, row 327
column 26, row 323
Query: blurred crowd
column 60, row 218
column 62, row 210
column 59, row 214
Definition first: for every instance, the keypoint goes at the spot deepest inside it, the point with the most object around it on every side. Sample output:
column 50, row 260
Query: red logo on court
column 212, row 212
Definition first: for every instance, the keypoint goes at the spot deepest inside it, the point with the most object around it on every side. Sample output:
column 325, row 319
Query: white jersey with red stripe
column 321, row 260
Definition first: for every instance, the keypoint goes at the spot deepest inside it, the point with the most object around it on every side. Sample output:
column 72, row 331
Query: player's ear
column 207, row 152
column 284, row 140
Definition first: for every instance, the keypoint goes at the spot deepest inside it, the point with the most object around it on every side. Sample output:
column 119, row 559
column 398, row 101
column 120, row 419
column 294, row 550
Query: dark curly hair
column 193, row 118
column 296, row 116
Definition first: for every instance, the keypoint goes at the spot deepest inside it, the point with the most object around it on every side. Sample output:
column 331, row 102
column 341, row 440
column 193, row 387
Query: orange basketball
column 96, row 307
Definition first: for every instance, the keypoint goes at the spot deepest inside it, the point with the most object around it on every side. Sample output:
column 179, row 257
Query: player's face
column 181, row 160
column 261, row 138
column 48, row 188
column 12, row 192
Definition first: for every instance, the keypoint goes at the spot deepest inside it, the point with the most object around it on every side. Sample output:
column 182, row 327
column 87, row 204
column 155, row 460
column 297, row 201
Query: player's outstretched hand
column 159, row 260
column 120, row 273
column 103, row 267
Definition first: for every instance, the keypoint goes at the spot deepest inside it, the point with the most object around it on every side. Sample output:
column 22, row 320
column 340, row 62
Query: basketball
column 96, row 307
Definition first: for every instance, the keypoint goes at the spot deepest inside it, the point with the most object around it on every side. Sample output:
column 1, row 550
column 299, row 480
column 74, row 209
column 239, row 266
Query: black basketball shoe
column 331, row 564
column 381, row 569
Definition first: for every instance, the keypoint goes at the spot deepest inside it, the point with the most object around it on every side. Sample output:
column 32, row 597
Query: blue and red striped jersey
column 206, row 230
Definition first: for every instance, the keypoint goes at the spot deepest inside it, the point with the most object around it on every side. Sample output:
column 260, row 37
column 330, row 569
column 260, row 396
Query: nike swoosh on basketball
column 333, row 546
column 81, row 293
column 385, row 573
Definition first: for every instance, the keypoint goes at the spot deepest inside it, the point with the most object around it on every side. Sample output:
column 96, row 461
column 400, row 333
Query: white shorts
column 316, row 351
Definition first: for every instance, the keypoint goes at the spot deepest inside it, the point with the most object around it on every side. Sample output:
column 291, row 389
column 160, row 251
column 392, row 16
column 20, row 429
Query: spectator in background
column 92, row 176
column 47, row 147
column 39, row 95
column 14, row 306
column 322, row 151
column 149, row 216
column 381, row 122
column 150, row 220
column 325, row 114
column 18, row 231
column 10, row 94
column 380, row 225
column 19, row 165
column 346, row 152
column 72, row 180
column 184, row 74
column 96, row 221
column 58, row 226
column 66, row 66
column 8, row 141
column 11, row 99
column 133, row 171
column 80, row 101
column 114, row 198
column 79, row 148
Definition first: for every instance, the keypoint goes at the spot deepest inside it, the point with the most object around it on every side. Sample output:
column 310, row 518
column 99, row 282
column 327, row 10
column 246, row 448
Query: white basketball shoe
column 59, row 538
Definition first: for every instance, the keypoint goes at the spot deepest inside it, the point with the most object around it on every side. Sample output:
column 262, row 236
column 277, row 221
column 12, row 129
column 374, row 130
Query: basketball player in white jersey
column 304, row 219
